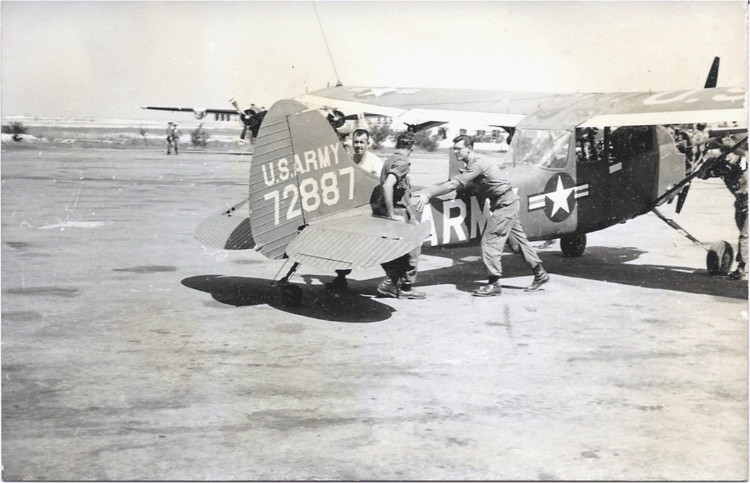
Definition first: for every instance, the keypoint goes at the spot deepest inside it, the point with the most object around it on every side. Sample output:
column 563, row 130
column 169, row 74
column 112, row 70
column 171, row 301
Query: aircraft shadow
column 317, row 302
column 606, row 264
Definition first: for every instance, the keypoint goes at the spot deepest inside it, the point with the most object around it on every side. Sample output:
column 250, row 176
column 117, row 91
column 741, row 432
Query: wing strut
column 676, row 226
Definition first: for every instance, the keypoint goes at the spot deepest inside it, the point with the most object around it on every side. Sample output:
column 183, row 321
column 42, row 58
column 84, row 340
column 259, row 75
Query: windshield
column 546, row 148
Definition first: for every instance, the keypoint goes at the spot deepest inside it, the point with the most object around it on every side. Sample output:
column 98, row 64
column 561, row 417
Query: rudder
column 299, row 172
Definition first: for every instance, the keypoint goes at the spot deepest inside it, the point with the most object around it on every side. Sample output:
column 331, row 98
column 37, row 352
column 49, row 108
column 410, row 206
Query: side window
column 630, row 141
column 590, row 145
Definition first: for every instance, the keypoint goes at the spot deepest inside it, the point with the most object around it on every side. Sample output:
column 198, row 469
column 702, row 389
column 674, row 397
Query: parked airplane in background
column 580, row 163
column 250, row 118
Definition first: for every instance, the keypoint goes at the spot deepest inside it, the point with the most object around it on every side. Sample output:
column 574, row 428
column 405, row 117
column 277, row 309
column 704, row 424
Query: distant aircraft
column 251, row 118
column 580, row 163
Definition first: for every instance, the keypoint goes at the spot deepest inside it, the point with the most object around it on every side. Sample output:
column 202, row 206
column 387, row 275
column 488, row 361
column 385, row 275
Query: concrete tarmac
column 130, row 352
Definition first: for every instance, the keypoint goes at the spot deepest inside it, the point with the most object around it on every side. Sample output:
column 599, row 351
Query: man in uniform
column 371, row 163
column 733, row 171
column 395, row 203
column 173, row 137
column 503, row 224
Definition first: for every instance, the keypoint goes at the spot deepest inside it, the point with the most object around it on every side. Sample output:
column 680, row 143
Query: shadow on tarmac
column 605, row 264
column 317, row 302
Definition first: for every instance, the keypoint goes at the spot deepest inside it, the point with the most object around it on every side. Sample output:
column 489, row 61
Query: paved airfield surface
column 130, row 352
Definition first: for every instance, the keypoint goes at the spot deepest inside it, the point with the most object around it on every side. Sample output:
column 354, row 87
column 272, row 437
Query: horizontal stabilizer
column 355, row 242
column 228, row 229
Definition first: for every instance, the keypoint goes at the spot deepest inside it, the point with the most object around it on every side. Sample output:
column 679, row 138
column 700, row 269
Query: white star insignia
column 559, row 197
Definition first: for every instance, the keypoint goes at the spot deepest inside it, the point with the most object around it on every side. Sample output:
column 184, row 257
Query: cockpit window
column 546, row 148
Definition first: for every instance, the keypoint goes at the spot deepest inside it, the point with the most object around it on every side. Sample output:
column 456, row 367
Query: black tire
column 573, row 245
column 719, row 258
column 291, row 295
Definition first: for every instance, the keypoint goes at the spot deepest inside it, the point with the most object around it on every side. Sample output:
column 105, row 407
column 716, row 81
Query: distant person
column 699, row 142
column 173, row 137
column 733, row 171
column 503, row 224
column 362, row 156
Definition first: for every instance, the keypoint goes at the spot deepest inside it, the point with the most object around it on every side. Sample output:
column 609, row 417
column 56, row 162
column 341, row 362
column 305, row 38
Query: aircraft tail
column 713, row 74
column 299, row 172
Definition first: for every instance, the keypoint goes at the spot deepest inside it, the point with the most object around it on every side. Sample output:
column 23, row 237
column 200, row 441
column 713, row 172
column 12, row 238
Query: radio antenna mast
column 322, row 30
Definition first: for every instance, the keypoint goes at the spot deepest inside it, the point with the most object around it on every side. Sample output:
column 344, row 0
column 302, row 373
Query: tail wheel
column 719, row 258
column 573, row 245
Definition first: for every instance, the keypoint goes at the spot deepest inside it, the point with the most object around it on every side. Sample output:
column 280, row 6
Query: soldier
column 395, row 203
column 503, row 224
column 733, row 171
column 173, row 137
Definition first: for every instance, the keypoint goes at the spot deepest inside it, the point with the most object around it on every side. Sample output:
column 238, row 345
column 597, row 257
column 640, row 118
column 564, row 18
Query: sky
column 105, row 59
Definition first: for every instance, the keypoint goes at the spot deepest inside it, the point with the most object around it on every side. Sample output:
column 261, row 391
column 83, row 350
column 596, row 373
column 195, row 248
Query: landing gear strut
column 720, row 255
column 573, row 245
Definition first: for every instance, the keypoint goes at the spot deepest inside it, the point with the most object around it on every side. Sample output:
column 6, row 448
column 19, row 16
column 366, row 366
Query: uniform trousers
column 503, row 226
column 403, row 268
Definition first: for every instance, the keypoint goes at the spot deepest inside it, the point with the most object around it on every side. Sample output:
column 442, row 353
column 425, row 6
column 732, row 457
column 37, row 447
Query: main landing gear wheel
column 719, row 258
column 291, row 295
column 573, row 245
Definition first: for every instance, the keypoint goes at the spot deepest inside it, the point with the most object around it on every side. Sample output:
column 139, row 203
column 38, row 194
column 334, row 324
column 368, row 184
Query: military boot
column 740, row 273
column 489, row 290
column 388, row 288
column 540, row 278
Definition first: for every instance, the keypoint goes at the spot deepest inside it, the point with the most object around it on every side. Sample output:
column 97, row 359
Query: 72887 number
column 311, row 194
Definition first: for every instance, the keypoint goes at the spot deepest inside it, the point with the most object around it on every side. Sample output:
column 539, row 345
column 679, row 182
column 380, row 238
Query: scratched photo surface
column 144, row 336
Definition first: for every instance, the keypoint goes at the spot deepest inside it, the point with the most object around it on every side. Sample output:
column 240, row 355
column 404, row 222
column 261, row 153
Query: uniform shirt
column 486, row 178
column 370, row 162
column 398, row 165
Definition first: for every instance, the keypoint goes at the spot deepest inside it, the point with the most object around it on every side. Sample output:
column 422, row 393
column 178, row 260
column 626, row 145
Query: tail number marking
column 312, row 192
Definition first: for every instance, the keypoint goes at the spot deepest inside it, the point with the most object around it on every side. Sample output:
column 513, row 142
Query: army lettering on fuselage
column 448, row 220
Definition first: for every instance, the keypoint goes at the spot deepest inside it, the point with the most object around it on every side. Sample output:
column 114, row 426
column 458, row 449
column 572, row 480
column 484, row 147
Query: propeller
column 250, row 118
column 340, row 121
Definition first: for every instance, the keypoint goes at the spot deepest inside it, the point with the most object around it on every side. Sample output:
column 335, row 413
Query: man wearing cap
column 393, row 200
column 503, row 224
column 173, row 136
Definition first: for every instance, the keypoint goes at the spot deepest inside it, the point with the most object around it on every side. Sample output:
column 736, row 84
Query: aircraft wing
column 355, row 242
column 676, row 107
column 418, row 106
column 535, row 110
column 192, row 109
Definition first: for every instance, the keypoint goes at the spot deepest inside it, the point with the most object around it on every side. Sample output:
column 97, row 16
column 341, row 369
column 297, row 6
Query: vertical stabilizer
column 299, row 172
column 713, row 75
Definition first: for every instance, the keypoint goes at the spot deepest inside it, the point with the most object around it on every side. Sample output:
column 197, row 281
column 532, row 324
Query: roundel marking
column 558, row 200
